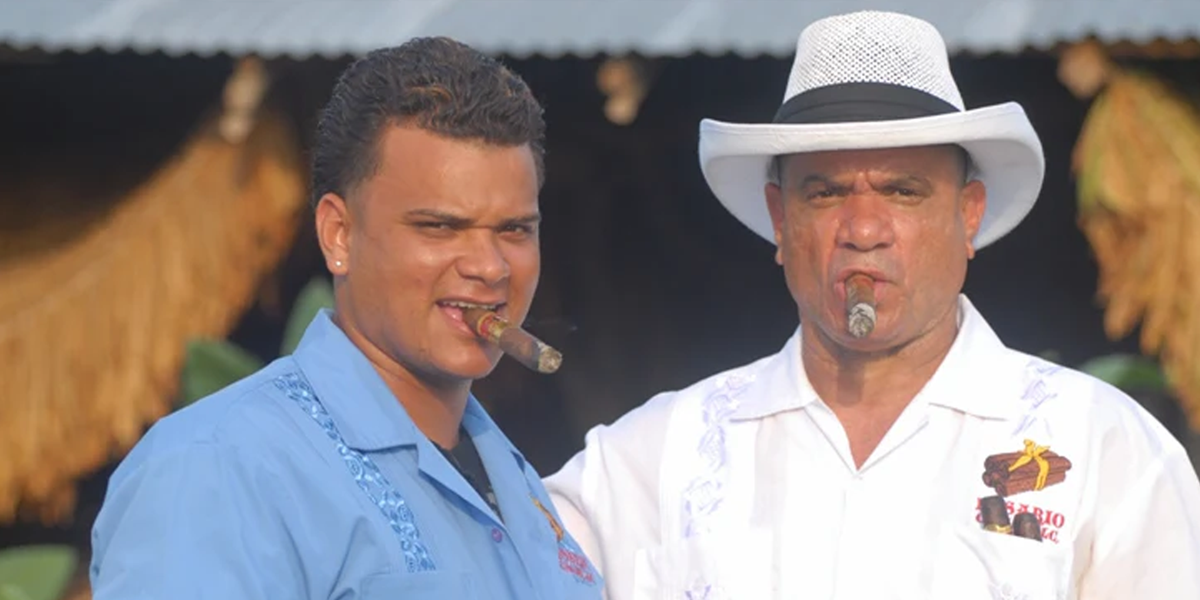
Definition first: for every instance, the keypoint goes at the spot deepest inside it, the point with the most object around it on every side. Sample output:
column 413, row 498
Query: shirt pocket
column 427, row 584
column 709, row 567
column 973, row 563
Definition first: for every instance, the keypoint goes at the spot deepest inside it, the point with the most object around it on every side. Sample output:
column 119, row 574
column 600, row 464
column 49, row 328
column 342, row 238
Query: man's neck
column 851, row 380
column 435, row 407
column 868, row 391
column 437, row 411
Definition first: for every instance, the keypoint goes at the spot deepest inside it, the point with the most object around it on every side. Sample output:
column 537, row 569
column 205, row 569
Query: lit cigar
column 513, row 340
column 860, row 305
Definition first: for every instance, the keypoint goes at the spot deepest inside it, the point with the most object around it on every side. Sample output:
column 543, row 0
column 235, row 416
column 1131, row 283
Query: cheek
column 403, row 267
column 935, row 254
column 807, row 251
column 525, row 266
column 808, row 244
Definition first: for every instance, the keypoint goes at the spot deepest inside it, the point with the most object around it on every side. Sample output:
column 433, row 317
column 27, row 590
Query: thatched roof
column 96, row 306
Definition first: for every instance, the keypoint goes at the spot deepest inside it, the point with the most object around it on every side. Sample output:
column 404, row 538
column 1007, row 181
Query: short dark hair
column 435, row 83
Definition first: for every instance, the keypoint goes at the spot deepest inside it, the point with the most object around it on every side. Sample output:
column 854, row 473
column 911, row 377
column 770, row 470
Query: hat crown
column 873, row 47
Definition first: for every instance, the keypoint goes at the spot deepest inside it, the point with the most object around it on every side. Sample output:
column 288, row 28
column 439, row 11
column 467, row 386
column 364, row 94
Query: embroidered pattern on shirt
column 1006, row 592
column 366, row 474
column 703, row 495
column 701, row 590
column 1038, row 389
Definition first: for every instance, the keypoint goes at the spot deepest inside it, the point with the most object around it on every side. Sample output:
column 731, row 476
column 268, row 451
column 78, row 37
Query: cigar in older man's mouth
column 513, row 340
column 860, row 305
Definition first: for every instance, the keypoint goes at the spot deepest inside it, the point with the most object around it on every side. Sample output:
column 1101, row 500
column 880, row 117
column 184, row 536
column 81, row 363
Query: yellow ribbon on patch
column 1033, row 452
column 558, row 530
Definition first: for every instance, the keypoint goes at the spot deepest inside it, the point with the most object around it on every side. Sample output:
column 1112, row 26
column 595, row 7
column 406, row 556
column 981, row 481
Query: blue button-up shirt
column 309, row 480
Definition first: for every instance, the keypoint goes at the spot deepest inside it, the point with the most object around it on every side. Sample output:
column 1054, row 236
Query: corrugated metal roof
column 302, row 28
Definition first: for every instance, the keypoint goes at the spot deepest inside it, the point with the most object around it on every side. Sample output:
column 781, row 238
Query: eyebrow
column 530, row 219
column 909, row 179
column 459, row 221
column 811, row 179
column 437, row 215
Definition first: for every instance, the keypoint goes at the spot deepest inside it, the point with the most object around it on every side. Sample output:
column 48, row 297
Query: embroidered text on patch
column 570, row 558
column 366, row 474
column 1052, row 523
column 575, row 564
column 704, row 493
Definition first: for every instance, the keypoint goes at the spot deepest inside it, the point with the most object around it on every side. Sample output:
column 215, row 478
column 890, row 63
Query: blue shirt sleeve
column 193, row 521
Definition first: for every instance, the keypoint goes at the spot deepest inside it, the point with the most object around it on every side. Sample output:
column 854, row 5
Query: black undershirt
column 465, row 458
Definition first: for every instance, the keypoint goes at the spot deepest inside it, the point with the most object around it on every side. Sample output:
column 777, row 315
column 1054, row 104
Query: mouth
column 845, row 274
column 877, row 278
column 453, row 309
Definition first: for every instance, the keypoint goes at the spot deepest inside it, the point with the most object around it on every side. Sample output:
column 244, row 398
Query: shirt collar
column 479, row 425
column 976, row 377
column 980, row 376
column 366, row 412
column 781, row 385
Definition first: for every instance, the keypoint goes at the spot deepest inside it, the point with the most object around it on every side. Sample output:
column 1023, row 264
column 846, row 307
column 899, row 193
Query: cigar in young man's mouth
column 513, row 340
column 860, row 305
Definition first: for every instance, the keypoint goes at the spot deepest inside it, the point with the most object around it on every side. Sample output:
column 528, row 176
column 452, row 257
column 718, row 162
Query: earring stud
column 337, row 263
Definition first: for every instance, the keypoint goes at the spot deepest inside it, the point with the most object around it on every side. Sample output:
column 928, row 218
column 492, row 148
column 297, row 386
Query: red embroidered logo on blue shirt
column 570, row 558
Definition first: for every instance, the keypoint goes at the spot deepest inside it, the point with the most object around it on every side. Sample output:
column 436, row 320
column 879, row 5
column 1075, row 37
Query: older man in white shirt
column 866, row 457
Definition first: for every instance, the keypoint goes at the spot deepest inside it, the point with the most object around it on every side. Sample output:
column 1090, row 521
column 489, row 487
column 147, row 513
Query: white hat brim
column 1003, row 145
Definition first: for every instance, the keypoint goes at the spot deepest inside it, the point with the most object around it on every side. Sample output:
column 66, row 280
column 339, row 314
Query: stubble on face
column 441, row 221
column 902, row 216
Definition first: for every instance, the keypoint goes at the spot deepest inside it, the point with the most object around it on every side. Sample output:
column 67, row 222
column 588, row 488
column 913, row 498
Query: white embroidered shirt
column 742, row 486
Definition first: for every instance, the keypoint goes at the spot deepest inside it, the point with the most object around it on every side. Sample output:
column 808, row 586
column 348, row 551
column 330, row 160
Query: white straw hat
column 875, row 80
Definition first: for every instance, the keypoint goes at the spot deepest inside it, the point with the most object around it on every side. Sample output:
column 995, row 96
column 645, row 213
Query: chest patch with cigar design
column 1032, row 469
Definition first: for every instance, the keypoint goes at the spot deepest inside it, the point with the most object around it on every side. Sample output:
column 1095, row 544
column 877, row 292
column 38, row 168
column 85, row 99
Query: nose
column 483, row 259
column 866, row 224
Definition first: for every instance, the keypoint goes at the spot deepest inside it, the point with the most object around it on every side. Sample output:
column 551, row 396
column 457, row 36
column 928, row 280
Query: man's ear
column 774, row 196
column 333, row 221
column 973, row 203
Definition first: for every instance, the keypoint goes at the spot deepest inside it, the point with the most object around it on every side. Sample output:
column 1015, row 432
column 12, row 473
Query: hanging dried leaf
column 93, row 331
column 1138, row 167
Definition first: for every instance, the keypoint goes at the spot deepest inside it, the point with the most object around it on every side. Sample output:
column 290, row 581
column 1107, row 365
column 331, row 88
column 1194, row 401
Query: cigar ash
column 860, row 306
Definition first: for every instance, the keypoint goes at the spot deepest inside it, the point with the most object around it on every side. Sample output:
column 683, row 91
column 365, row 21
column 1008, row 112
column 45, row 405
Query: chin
column 468, row 366
column 881, row 338
column 872, row 344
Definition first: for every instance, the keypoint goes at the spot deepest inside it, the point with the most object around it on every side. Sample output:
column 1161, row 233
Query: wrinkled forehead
column 926, row 161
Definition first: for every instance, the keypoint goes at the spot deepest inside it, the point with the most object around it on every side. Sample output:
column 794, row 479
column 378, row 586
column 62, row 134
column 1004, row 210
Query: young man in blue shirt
column 362, row 466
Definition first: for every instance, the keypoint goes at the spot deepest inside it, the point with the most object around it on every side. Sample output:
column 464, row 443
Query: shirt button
column 497, row 535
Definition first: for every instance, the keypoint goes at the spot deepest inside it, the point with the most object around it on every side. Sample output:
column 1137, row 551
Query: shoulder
column 247, row 422
column 1094, row 412
column 628, row 451
column 718, row 391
